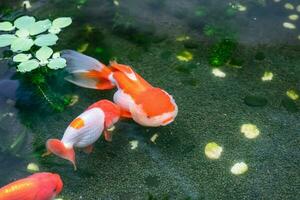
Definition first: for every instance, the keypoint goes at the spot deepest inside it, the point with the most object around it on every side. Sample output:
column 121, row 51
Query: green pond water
column 175, row 45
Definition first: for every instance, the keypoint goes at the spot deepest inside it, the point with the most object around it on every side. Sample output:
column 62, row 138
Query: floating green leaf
column 6, row 26
column 57, row 63
column 21, row 57
column 255, row 101
column 44, row 53
column 21, row 44
column 24, row 22
column 46, row 40
column 23, row 33
column 39, row 27
column 56, row 55
column 28, row 66
column 54, row 30
column 6, row 39
column 62, row 22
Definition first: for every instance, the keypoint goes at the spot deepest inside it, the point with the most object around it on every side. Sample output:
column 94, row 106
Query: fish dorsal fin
column 124, row 69
column 128, row 80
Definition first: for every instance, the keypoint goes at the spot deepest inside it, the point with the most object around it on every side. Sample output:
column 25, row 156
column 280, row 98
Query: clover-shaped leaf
column 28, row 66
column 46, row 40
column 43, row 54
column 54, row 30
column 6, row 39
column 62, row 22
column 39, row 27
column 6, row 26
column 21, row 57
column 24, row 22
column 57, row 63
column 56, row 55
column 21, row 44
column 23, row 33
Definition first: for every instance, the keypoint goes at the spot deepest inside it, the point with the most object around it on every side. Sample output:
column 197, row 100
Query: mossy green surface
column 211, row 109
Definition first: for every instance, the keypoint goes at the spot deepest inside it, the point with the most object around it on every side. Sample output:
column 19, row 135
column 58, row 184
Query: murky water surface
column 226, row 63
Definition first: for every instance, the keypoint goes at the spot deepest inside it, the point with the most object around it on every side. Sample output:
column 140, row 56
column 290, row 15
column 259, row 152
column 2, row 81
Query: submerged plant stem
column 45, row 96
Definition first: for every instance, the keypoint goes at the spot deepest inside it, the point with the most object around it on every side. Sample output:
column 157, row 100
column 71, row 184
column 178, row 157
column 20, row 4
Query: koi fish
column 39, row 186
column 138, row 99
column 84, row 130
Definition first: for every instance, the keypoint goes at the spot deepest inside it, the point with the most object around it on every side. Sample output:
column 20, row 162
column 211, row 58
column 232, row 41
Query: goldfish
column 39, row 186
column 138, row 99
column 84, row 130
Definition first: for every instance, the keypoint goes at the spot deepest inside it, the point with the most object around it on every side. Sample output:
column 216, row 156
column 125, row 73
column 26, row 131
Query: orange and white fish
column 145, row 104
column 84, row 130
column 39, row 186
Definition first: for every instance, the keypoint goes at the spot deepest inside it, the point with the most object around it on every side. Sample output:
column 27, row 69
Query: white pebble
column 213, row 150
column 289, row 6
column 32, row 167
column 218, row 73
column 289, row 25
column 294, row 17
column 239, row 168
column 268, row 76
column 298, row 8
column 134, row 144
column 250, row 131
column 154, row 137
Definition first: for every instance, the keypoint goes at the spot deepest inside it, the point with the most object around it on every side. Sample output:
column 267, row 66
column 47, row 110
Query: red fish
column 39, row 186
column 138, row 99
column 85, row 129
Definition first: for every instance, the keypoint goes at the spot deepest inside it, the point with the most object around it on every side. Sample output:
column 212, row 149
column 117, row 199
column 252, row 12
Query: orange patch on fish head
column 155, row 102
column 77, row 123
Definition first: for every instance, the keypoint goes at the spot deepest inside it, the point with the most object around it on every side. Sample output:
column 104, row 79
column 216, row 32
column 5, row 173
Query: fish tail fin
column 58, row 148
column 86, row 71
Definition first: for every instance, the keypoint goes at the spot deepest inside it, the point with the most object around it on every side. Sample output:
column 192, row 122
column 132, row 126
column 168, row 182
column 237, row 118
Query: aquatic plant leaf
column 6, row 39
column 24, row 22
column 56, row 55
column 255, row 101
column 28, row 66
column 39, row 27
column 21, row 57
column 44, row 53
column 57, row 63
column 21, row 44
column 23, row 33
column 54, row 30
column 46, row 40
column 6, row 26
column 62, row 22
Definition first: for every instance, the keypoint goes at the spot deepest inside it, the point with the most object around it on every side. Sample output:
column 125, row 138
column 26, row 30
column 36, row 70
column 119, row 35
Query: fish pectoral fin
column 107, row 136
column 125, row 114
column 88, row 149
